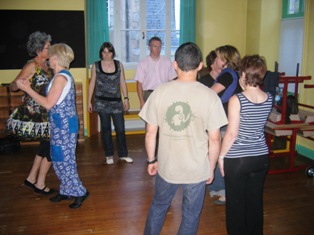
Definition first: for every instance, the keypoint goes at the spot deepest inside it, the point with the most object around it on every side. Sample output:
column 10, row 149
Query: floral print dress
column 29, row 122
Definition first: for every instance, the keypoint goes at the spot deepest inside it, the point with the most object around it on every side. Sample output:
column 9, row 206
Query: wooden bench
column 133, row 123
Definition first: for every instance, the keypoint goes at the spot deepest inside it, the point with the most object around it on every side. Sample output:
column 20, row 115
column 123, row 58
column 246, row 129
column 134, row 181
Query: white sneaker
column 126, row 159
column 109, row 160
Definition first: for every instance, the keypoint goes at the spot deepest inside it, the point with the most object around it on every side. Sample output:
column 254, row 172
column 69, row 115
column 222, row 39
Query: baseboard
column 305, row 152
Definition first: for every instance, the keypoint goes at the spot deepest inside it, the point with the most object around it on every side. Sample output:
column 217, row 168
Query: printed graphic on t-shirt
column 179, row 115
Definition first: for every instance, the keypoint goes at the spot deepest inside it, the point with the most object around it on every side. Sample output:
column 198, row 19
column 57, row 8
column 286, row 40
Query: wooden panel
column 3, row 91
column 4, row 102
column 4, row 108
column 80, row 109
column 4, row 112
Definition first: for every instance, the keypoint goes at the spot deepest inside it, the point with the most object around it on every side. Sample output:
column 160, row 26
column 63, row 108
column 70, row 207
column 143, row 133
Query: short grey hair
column 36, row 42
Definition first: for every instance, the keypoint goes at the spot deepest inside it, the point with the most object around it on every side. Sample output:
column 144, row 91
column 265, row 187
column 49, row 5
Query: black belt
column 108, row 98
column 150, row 90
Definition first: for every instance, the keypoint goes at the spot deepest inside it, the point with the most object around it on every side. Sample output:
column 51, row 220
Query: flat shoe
column 29, row 184
column 78, row 201
column 59, row 198
column 43, row 192
column 219, row 202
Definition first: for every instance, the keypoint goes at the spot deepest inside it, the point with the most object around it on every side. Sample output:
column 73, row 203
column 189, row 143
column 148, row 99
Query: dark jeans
column 106, row 133
column 244, row 181
column 192, row 204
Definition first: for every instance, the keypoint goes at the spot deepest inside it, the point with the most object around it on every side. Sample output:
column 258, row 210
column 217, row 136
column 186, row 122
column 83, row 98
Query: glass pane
column 175, row 27
column 175, row 15
column 294, row 7
column 130, row 30
column 155, row 14
column 127, row 33
column 130, row 45
column 130, row 14
column 110, row 5
column 175, row 41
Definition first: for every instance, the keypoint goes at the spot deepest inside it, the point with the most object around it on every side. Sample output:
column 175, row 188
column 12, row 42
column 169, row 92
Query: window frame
column 143, row 44
column 285, row 10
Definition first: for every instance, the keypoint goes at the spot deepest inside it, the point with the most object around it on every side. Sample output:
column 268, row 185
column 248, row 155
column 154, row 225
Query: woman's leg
column 106, row 133
column 44, row 166
column 43, row 171
column 244, row 179
column 255, row 211
column 118, row 122
column 32, row 177
column 235, row 181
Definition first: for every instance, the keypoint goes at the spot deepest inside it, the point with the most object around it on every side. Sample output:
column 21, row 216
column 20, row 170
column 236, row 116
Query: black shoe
column 59, row 198
column 29, row 184
column 43, row 192
column 78, row 201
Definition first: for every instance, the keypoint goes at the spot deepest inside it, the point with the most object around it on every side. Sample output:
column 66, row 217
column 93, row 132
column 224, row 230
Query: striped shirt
column 251, row 138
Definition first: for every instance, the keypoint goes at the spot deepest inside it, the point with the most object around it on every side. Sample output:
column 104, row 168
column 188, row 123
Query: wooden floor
column 120, row 196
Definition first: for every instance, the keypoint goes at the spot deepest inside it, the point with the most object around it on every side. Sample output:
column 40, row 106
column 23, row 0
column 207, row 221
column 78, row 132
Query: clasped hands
column 23, row 84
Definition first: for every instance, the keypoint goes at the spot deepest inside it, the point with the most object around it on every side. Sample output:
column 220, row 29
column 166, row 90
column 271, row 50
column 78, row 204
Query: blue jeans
column 217, row 187
column 106, row 133
column 192, row 204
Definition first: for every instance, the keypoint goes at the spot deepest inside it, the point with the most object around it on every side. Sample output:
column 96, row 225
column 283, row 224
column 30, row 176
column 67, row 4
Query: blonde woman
column 60, row 102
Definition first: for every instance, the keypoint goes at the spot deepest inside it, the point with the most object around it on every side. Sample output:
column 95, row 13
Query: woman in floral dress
column 29, row 122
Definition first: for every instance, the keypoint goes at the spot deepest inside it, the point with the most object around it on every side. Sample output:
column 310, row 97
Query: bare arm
column 140, row 94
column 126, row 104
column 232, row 128
column 53, row 96
column 150, row 144
column 91, row 89
column 213, row 151
column 217, row 88
column 25, row 74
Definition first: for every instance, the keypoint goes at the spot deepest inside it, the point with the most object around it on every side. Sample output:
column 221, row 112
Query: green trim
column 187, row 21
column 305, row 151
column 285, row 10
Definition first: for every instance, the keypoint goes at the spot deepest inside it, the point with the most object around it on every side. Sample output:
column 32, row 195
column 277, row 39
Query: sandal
column 43, row 192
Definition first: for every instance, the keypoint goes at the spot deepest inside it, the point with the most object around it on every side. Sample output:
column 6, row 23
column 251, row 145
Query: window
column 292, row 8
column 133, row 22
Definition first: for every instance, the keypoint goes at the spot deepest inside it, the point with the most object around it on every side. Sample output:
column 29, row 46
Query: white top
column 66, row 89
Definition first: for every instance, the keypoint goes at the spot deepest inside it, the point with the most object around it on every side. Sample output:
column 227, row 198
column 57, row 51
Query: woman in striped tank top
column 244, row 153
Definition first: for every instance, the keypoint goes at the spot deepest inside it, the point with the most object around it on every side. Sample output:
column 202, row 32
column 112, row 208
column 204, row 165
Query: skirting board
column 305, row 151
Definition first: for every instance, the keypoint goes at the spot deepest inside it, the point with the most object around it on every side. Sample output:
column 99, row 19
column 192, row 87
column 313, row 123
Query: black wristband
column 126, row 98
column 152, row 162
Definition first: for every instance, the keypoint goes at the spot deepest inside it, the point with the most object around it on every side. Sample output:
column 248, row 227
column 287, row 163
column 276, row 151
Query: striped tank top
column 251, row 137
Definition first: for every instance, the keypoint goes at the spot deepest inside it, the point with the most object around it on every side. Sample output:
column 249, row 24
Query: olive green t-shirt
column 183, row 111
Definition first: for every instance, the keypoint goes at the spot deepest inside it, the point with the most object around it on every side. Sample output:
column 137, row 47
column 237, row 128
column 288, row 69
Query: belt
column 108, row 98
column 150, row 90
